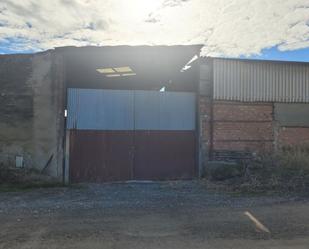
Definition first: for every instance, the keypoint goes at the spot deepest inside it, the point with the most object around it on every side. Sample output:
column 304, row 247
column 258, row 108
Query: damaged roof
column 131, row 67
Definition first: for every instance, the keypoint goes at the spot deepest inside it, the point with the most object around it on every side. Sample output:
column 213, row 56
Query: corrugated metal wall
column 244, row 80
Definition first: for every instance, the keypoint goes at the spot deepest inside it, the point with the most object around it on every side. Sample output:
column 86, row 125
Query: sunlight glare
column 142, row 8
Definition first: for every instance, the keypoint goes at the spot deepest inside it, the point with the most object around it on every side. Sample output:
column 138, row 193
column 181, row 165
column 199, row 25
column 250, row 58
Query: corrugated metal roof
column 245, row 80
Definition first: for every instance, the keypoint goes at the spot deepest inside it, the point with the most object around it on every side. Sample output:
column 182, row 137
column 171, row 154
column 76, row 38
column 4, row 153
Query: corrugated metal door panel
column 177, row 111
column 164, row 155
column 164, row 136
column 101, row 156
column 146, row 110
column 164, row 110
column 113, row 110
column 90, row 109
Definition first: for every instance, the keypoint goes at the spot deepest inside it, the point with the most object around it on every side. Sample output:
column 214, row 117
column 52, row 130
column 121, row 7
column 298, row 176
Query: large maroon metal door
column 131, row 135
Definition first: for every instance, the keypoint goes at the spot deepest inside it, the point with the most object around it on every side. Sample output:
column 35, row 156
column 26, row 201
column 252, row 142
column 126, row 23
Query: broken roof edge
column 181, row 49
column 197, row 46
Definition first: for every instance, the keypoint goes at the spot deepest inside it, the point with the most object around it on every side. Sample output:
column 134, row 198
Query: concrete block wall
column 31, row 98
column 205, row 115
column 204, row 104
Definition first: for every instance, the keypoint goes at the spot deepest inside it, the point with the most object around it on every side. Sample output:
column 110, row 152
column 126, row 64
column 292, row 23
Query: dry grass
column 285, row 170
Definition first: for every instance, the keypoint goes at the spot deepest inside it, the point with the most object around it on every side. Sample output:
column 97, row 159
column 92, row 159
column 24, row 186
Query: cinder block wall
column 31, row 110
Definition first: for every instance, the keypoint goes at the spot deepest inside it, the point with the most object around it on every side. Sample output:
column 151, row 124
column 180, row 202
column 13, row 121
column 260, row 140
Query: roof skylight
column 116, row 71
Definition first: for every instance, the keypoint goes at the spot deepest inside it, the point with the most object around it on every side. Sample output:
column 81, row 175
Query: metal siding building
column 260, row 81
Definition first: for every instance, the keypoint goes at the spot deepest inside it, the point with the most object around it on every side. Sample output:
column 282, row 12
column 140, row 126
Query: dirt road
column 150, row 215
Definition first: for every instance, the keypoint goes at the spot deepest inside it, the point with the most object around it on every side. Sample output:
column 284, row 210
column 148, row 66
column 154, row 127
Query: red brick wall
column 249, row 146
column 290, row 136
column 235, row 111
column 242, row 131
column 242, row 126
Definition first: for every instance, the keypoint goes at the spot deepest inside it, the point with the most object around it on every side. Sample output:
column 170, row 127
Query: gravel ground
column 182, row 214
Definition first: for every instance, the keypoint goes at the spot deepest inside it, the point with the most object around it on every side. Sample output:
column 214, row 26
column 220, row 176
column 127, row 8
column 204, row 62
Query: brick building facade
column 241, row 122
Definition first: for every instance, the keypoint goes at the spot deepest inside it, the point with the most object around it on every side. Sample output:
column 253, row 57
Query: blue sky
column 259, row 29
column 274, row 54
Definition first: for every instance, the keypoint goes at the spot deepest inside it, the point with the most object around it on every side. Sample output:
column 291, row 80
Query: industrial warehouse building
column 97, row 114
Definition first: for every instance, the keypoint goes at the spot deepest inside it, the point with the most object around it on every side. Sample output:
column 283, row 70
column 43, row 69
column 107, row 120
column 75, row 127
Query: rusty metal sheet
column 164, row 155
column 101, row 156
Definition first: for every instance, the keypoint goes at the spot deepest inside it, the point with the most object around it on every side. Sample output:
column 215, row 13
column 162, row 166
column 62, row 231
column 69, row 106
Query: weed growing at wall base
column 16, row 179
column 284, row 170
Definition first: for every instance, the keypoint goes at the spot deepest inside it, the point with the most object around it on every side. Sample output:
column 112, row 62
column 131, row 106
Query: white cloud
column 225, row 27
